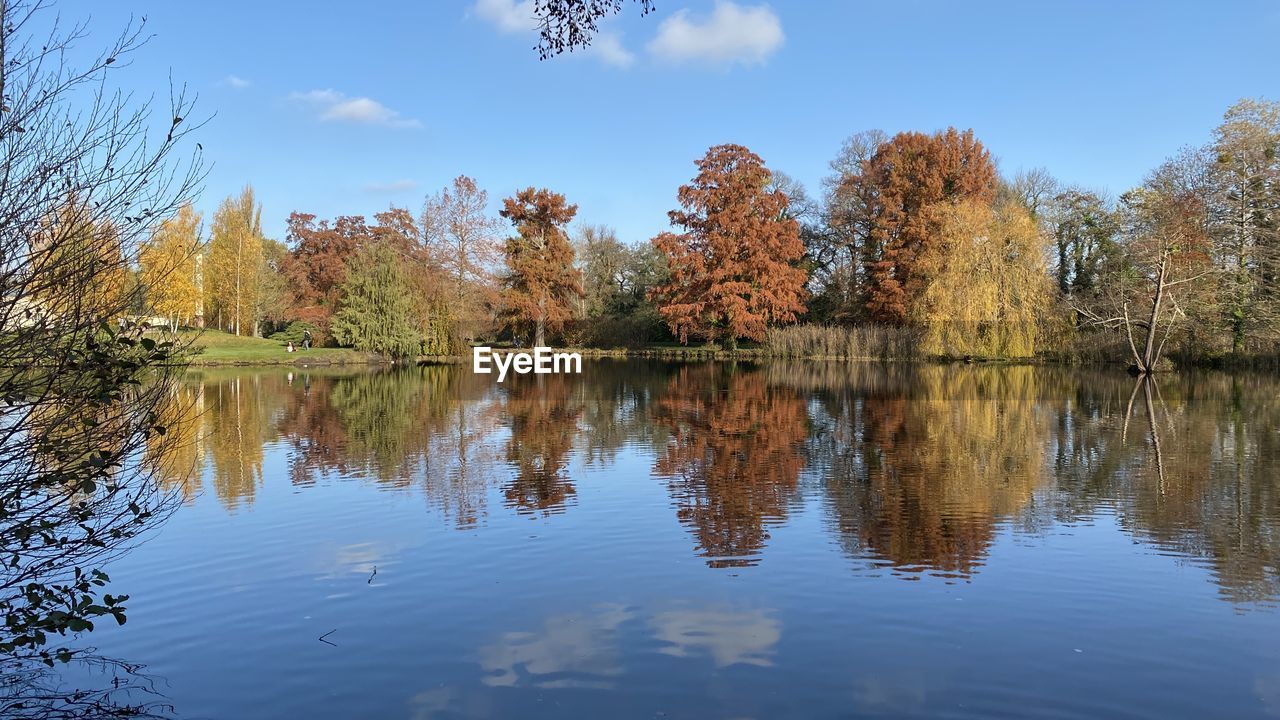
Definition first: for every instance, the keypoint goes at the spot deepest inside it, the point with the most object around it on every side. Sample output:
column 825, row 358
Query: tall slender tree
column 168, row 262
column 542, row 285
column 235, row 257
column 1246, row 209
column 463, row 239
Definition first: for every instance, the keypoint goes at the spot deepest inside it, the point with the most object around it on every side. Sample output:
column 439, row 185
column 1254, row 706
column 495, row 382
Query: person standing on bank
column 306, row 339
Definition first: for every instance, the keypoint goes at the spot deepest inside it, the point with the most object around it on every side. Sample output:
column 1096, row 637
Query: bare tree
column 464, row 239
column 85, row 174
column 1167, row 270
column 572, row 24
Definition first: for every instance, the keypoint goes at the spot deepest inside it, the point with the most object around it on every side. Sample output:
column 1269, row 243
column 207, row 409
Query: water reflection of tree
column 922, row 463
column 543, row 411
column 1205, row 484
column 431, row 428
column 240, row 412
column 733, row 456
column 31, row 690
column 179, row 453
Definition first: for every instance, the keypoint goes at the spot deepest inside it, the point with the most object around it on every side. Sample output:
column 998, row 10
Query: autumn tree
column 317, row 265
column 82, row 264
column 235, row 258
column 464, row 241
column 895, row 189
column 542, row 285
column 734, row 269
column 988, row 283
column 168, row 266
column 1166, row 274
column 272, row 304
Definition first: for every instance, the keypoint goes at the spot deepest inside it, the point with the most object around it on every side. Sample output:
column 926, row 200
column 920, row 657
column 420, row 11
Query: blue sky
column 340, row 108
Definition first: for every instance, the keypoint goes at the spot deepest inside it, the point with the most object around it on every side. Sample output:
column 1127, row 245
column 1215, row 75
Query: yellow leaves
column 169, row 266
column 988, row 283
column 235, row 256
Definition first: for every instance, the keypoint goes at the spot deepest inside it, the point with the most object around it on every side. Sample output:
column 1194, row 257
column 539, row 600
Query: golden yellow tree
column 988, row 282
column 235, row 255
column 78, row 265
column 168, row 263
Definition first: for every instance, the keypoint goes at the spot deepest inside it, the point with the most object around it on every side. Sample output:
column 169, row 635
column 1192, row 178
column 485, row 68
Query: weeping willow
column 988, row 283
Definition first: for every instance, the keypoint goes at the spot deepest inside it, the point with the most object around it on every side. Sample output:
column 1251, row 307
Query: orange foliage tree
column 541, row 284
column 903, row 178
column 734, row 269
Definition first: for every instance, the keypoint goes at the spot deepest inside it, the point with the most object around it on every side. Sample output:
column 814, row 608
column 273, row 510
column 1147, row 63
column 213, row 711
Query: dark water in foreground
column 716, row 541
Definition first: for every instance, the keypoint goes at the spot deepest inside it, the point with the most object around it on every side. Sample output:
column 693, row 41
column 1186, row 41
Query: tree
column 571, row 24
column 169, row 271
column 71, row 249
column 1084, row 230
column 272, row 303
column 84, row 179
column 734, row 269
column 435, row 309
column 988, row 282
column 1166, row 273
column 899, row 183
column 836, row 253
column 542, row 285
column 317, row 264
column 235, row 258
column 1034, row 189
column 463, row 239
column 603, row 259
column 1246, row 209
column 376, row 312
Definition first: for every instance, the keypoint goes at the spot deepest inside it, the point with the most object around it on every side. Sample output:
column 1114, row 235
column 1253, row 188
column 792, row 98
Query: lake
column 716, row 540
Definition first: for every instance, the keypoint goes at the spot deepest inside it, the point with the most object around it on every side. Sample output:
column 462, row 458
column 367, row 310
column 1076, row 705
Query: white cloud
column 391, row 188
column 608, row 48
column 508, row 16
column 733, row 33
column 235, row 82
column 334, row 106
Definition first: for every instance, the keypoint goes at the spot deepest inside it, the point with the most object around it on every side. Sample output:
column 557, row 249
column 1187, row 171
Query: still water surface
column 652, row 540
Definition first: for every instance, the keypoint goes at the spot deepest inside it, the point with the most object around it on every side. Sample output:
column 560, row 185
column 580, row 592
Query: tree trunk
column 540, row 326
column 1149, row 358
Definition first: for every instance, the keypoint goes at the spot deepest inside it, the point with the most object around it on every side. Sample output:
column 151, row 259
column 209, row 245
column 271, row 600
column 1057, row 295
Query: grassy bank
column 213, row 347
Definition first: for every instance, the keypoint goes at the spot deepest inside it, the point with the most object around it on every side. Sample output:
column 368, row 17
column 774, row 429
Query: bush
column 293, row 333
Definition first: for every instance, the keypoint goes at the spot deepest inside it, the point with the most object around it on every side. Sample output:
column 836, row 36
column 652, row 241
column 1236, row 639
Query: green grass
column 214, row 347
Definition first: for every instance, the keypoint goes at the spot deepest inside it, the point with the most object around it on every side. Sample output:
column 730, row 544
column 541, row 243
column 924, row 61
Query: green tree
column 1246, row 212
column 376, row 312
